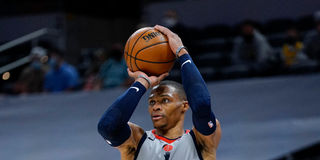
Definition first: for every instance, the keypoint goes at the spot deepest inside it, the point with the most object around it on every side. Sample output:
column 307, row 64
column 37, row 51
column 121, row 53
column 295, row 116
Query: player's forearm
column 113, row 125
column 194, row 85
column 198, row 96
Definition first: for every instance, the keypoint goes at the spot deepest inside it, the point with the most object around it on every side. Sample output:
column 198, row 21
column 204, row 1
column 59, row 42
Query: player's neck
column 172, row 133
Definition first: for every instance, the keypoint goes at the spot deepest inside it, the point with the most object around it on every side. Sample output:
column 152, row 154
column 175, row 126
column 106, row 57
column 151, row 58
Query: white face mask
column 169, row 22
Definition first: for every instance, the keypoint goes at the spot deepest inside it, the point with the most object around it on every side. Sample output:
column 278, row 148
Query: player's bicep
column 211, row 140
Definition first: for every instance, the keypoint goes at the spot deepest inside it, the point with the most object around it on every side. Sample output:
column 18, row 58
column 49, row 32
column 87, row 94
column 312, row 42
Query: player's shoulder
column 135, row 127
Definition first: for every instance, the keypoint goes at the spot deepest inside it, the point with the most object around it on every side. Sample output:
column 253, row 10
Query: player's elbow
column 110, row 122
column 114, row 133
column 106, row 127
column 103, row 128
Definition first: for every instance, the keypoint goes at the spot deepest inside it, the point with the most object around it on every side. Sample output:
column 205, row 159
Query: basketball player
column 168, row 103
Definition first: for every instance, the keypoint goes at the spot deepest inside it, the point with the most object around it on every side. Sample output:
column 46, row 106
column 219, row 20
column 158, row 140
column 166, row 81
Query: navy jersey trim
column 143, row 138
column 196, row 145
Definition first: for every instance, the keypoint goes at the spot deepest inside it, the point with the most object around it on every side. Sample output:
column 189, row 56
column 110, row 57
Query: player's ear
column 185, row 106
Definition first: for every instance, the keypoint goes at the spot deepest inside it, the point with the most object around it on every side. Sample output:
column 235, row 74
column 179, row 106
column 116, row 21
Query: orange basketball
column 148, row 50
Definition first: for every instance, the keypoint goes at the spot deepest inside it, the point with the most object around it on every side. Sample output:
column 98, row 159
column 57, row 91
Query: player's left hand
column 154, row 80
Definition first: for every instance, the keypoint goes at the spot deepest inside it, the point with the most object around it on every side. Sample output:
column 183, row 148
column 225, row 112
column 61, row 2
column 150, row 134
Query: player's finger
column 162, row 76
column 129, row 72
column 162, row 29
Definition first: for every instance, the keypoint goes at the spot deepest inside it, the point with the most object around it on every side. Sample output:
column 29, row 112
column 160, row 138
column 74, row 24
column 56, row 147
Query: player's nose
column 156, row 107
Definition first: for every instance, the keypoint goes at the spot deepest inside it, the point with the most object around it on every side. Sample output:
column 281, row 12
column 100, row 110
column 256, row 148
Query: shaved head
column 178, row 88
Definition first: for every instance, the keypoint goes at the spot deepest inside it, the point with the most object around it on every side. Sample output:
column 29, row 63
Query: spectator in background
column 92, row 81
column 142, row 25
column 32, row 77
column 251, row 48
column 113, row 72
column 171, row 21
column 61, row 76
column 292, row 50
column 312, row 40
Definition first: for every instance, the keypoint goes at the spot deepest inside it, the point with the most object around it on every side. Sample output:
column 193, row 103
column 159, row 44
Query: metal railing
column 29, row 37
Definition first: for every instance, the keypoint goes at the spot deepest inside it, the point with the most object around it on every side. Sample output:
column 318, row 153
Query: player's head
column 167, row 105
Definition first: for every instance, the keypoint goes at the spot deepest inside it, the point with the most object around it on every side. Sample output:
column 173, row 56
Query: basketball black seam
column 134, row 44
column 135, row 60
column 151, row 61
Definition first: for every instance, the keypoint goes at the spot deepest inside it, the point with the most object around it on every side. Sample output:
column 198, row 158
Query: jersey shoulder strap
column 143, row 138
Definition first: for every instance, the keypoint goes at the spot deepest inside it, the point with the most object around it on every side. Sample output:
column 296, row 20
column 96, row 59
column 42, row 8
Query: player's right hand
column 154, row 80
column 174, row 40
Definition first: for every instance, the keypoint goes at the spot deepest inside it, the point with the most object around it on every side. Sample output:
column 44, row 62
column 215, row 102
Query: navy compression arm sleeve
column 113, row 125
column 198, row 96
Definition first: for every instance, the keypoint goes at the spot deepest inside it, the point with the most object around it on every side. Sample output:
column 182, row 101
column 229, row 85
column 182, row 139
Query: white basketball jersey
column 155, row 147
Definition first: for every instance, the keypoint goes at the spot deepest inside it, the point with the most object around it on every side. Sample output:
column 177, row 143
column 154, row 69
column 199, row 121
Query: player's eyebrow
column 151, row 96
column 162, row 95
column 166, row 95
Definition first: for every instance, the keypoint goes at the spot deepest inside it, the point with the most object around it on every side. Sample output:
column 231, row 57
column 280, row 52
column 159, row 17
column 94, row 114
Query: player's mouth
column 157, row 117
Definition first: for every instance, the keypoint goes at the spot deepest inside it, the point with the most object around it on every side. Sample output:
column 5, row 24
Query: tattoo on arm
column 131, row 150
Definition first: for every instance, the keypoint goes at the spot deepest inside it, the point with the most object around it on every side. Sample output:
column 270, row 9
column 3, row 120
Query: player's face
column 165, row 107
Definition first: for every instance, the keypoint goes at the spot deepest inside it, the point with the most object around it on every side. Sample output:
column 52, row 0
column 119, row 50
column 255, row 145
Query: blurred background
column 61, row 66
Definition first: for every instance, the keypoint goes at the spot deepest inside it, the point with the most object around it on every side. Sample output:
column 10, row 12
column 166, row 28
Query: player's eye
column 152, row 102
column 165, row 100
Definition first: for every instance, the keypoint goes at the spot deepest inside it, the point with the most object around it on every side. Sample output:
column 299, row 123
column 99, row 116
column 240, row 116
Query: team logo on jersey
column 210, row 124
column 167, row 147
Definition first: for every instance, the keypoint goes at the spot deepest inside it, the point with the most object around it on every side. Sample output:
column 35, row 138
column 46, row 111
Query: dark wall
column 16, row 26
column 76, row 31
column 87, row 32
column 206, row 12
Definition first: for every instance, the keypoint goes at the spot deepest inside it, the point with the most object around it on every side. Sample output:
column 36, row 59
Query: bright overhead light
column 6, row 76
